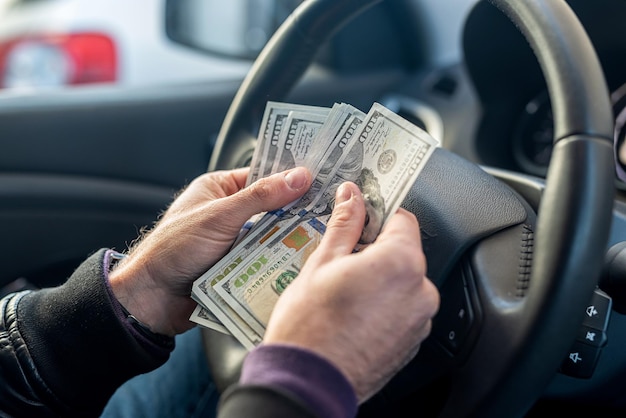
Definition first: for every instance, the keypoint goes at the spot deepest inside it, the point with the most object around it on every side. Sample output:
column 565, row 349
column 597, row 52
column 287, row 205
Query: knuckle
column 427, row 328
column 207, row 180
column 341, row 216
column 262, row 189
column 432, row 298
column 209, row 177
column 409, row 258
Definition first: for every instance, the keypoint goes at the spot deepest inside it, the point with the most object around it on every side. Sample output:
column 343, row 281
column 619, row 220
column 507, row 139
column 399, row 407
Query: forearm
column 65, row 349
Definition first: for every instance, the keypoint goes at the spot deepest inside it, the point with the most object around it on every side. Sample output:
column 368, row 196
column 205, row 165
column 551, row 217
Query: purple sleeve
column 307, row 375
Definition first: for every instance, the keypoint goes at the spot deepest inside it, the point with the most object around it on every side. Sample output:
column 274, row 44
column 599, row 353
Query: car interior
column 521, row 208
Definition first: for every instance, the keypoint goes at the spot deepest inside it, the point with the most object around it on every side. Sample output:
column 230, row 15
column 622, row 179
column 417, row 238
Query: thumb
column 346, row 223
column 268, row 194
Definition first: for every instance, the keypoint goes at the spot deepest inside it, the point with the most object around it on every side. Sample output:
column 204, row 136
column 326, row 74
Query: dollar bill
column 329, row 168
column 205, row 318
column 255, row 288
column 384, row 162
column 248, row 338
column 342, row 132
column 311, row 149
column 280, row 113
column 296, row 139
column 228, row 287
column 247, row 332
column 298, row 132
column 273, row 136
column 381, row 152
column 269, row 115
column 202, row 291
column 325, row 166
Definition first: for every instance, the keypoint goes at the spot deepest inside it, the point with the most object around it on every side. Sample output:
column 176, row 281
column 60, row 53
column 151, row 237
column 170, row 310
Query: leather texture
column 64, row 351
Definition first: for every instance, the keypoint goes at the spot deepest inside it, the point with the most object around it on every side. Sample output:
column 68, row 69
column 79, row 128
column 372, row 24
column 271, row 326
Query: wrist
column 139, row 300
column 145, row 331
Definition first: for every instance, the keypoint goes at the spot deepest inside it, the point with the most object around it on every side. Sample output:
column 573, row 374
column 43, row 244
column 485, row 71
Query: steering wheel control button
column 598, row 310
column 453, row 323
column 591, row 336
column 581, row 360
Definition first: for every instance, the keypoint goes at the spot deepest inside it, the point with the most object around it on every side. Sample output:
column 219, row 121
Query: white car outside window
column 51, row 43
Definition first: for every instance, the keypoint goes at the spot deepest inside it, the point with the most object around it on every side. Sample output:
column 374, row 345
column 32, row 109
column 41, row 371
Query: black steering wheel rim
column 573, row 222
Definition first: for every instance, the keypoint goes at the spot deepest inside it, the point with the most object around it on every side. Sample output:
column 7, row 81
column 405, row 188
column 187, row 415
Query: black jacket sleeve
column 63, row 351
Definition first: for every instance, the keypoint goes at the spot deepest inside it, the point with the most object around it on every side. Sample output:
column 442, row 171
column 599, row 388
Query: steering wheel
column 521, row 279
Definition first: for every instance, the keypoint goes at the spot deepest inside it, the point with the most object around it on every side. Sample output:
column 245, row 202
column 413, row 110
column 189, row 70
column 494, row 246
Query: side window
column 51, row 44
column 234, row 28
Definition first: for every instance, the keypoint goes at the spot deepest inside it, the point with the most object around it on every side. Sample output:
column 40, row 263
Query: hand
column 154, row 282
column 366, row 312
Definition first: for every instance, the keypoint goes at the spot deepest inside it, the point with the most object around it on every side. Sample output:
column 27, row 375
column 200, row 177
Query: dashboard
column 478, row 65
column 515, row 131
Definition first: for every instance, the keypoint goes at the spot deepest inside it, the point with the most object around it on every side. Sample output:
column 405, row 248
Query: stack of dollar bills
column 379, row 151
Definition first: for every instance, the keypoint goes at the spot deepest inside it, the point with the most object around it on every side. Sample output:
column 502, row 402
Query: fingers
column 268, row 194
column 399, row 243
column 402, row 223
column 346, row 223
column 240, row 175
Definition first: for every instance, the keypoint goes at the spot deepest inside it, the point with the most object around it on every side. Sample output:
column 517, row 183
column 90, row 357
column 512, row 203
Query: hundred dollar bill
column 270, row 129
column 394, row 153
column 384, row 162
column 203, row 290
column 257, row 285
column 248, row 339
column 298, row 136
column 205, row 318
column 330, row 162
column 298, row 133
column 280, row 112
column 304, row 132
column 273, row 135
column 312, row 150
column 330, row 174
column 227, row 287
column 248, row 333
column 273, row 221
column 269, row 115
column 325, row 165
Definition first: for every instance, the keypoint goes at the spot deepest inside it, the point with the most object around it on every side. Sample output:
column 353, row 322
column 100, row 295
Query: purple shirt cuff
column 307, row 375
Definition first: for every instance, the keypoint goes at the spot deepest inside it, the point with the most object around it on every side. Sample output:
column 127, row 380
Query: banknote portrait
column 374, row 206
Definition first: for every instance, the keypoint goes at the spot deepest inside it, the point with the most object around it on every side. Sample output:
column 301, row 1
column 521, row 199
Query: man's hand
column 154, row 282
column 366, row 312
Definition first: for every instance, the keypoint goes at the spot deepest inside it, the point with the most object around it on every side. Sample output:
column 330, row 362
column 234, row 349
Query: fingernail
column 296, row 178
column 344, row 193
